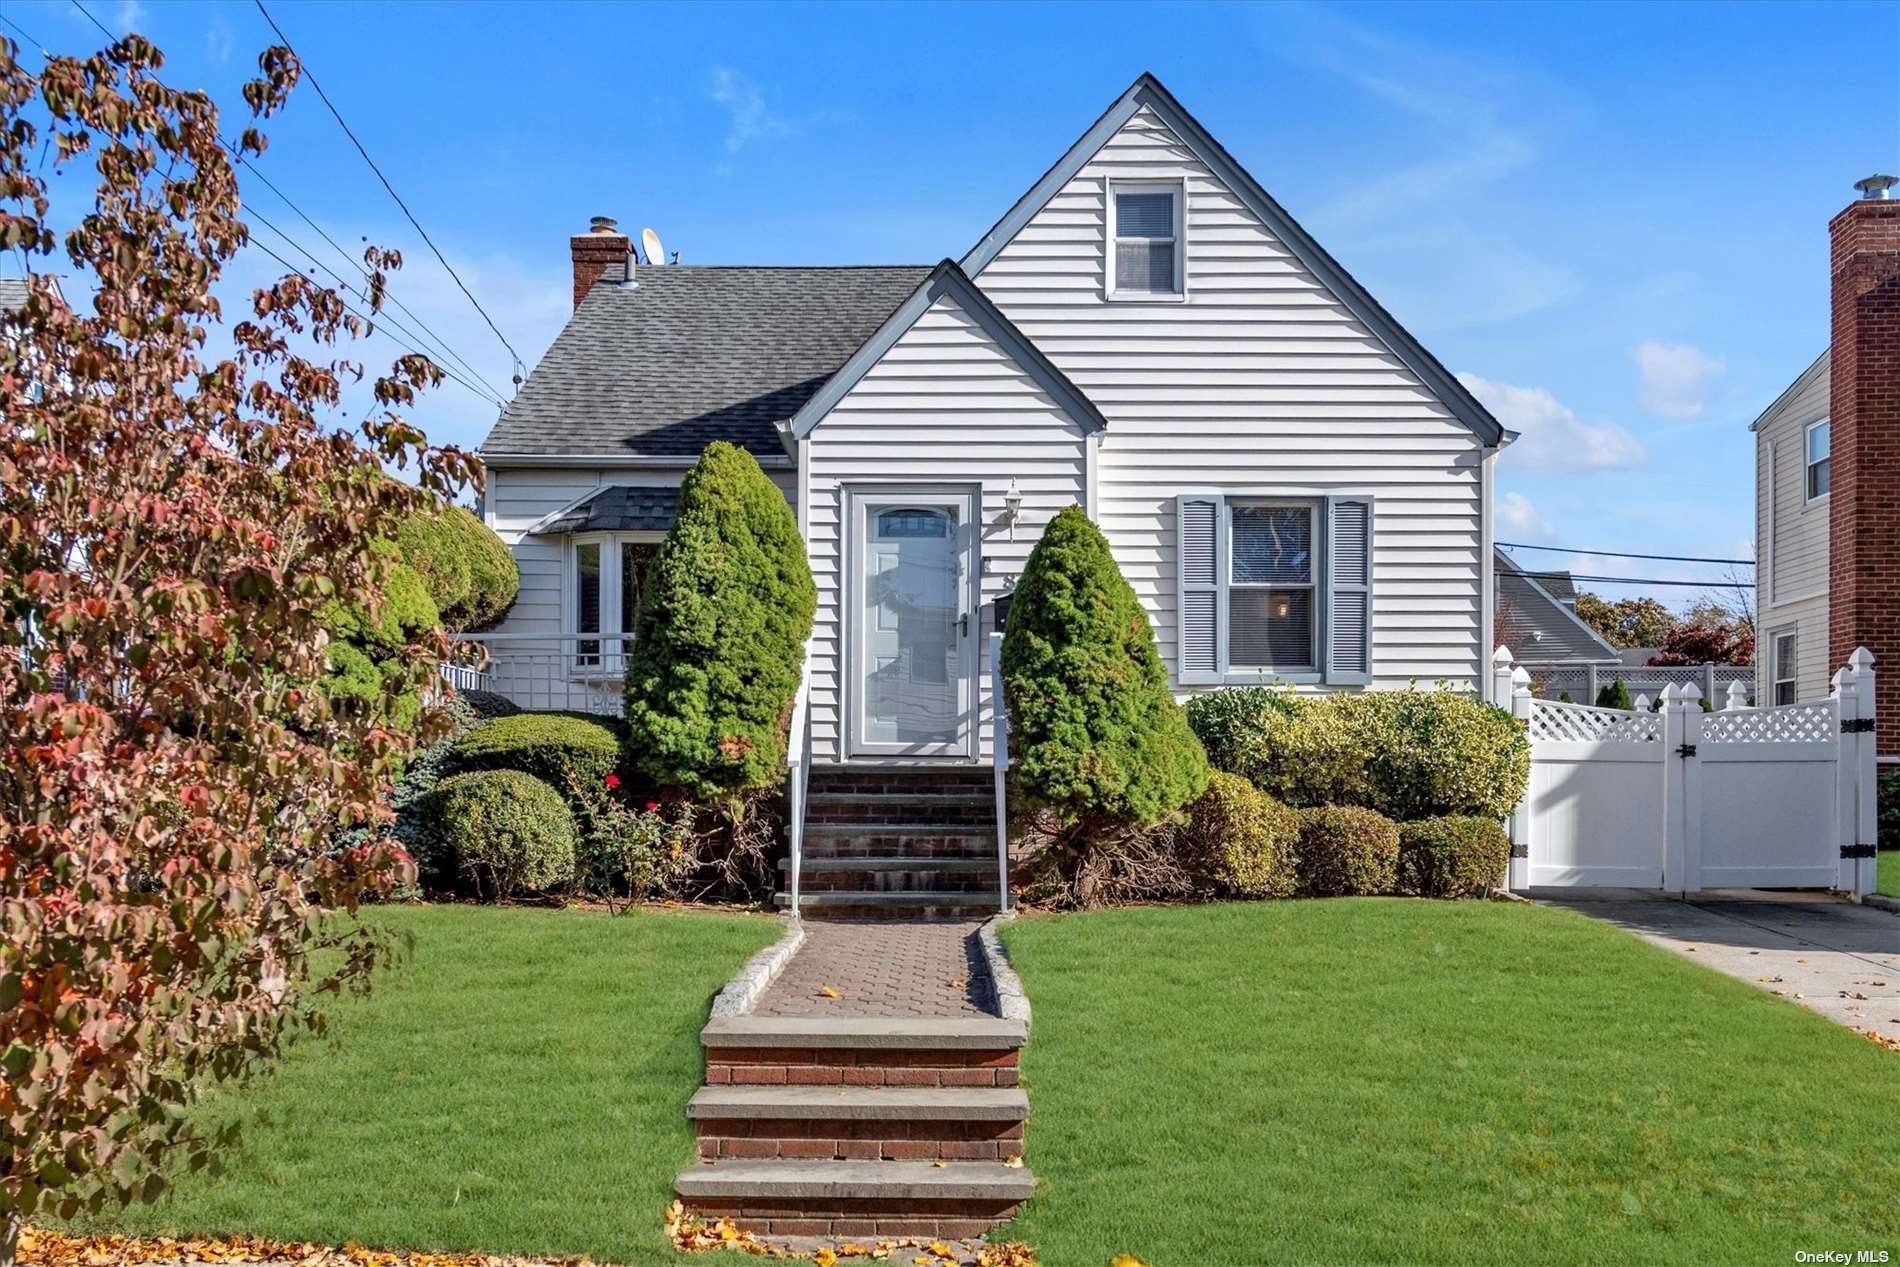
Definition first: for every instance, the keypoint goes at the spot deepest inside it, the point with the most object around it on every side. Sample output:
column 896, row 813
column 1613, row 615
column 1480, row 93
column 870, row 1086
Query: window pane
column 1819, row 477
column 1144, row 215
column 633, row 569
column 1818, row 442
column 1272, row 545
column 587, row 593
column 1270, row 628
column 1145, row 266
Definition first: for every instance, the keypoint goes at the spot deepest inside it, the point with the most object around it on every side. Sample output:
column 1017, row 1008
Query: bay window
column 605, row 577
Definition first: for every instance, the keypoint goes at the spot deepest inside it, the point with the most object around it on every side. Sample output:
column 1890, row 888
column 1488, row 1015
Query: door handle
column 963, row 625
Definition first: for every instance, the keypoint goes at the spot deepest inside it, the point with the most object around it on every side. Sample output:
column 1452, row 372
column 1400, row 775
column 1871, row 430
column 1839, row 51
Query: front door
column 914, row 626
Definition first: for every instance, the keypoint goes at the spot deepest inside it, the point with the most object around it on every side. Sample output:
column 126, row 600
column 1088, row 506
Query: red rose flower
column 613, row 781
column 652, row 805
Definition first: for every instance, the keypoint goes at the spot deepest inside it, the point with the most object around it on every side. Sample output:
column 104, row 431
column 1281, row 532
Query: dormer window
column 1145, row 233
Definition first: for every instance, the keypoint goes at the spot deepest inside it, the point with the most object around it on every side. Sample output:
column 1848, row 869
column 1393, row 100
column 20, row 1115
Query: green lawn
column 520, row 1084
column 1380, row 1081
column 1887, row 878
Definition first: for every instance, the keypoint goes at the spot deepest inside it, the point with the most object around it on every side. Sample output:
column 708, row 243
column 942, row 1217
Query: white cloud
column 750, row 119
column 1551, row 437
column 127, row 16
column 1519, row 519
column 220, row 42
column 1677, row 378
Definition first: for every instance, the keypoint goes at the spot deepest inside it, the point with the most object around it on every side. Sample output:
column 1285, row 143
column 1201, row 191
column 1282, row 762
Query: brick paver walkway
column 884, row 968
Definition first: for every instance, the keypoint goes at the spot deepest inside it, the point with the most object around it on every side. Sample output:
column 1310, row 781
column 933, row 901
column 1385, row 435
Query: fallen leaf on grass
column 1127, row 1260
column 1891, row 1044
column 40, row 1247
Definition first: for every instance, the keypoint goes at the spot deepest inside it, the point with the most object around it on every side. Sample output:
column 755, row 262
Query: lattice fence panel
column 1792, row 723
column 1553, row 722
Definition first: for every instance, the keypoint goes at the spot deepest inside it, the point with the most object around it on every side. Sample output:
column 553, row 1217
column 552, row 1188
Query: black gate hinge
column 1685, row 750
column 1857, row 851
column 1857, row 725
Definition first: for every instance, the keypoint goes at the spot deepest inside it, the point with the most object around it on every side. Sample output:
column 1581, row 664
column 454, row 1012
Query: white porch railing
column 999, row 761
column 578, row 673
column 798, row 773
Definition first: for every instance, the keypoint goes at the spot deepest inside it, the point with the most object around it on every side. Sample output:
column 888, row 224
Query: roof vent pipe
column 1875, row 188
column 627, row 282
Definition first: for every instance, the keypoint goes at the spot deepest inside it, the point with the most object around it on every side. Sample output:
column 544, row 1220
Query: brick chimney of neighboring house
column 1864, row 409
column 602, row 245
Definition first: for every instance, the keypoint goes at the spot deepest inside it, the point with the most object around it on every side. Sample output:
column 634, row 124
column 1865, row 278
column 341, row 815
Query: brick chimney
column 1864, row 409
column 602, row 245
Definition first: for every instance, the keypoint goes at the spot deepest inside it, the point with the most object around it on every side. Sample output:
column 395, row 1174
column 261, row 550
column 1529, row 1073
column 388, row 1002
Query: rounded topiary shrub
column 1454, row 856
column 1345, row 850
column 1094, row 732
column 721, row 644
column 1240, row 842
column 570, row 753
column 503, row 832
column 468, row 569
column 1433, row 753
column 1233, row 724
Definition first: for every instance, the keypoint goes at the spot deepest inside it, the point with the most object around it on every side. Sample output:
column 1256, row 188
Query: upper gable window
column 1145, row 228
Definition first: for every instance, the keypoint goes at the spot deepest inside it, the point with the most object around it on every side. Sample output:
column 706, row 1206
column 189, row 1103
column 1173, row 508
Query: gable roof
column 948, row 279
column 1535, row 624
column 693, row 354
column 1818, row 369
column 1148, row 91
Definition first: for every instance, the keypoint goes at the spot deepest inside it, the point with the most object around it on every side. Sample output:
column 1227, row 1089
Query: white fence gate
column 1684, row 800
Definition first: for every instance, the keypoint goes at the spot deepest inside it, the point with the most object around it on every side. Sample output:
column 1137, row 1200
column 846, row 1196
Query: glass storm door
column 914, row 627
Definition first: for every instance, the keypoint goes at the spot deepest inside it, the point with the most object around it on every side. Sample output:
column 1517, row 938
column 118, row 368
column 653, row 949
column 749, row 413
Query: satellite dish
column 650, row 243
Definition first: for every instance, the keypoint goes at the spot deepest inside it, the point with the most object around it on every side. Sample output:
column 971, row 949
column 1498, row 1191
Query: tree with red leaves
column 173, row 525
column 1701, row 643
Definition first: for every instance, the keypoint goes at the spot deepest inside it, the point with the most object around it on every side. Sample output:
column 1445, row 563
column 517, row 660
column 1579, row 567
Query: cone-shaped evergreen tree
column 721, row 641
column 1094, row 732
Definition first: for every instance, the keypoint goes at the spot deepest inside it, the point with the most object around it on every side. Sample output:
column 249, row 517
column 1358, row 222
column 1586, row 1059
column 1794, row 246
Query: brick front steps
column 859, row 1126
column 915, row 843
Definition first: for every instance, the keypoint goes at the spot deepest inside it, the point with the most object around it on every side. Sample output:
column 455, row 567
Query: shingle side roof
column 695, row 353
column 1535, row 626
column 623, row 508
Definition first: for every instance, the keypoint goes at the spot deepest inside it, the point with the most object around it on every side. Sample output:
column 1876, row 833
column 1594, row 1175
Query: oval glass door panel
column 913, row 601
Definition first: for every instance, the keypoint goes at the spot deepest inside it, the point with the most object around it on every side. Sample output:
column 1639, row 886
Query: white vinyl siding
column 1260, row 383
column 1791, row 538
column 946, row 405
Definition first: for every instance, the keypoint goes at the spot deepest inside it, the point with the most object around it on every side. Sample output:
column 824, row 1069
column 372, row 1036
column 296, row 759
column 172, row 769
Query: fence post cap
column 1737, row 694
column 1520, row 677
column 1640, row 704
column 1502, row 658
column 1862, row 659
column 1688, row 692
column 1839, row 679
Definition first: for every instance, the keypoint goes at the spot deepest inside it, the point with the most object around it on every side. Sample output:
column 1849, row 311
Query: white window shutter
column 1348, row 591
column 1197, row 594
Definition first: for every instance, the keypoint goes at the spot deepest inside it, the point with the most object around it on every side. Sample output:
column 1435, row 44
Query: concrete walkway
column 1834, row 956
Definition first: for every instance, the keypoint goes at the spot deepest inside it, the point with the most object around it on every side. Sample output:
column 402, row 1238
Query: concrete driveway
column 1835, row 956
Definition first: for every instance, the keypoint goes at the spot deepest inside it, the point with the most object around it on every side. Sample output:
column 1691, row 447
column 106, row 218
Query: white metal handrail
column 999, row 762
column 548, row 672
column 798, row 771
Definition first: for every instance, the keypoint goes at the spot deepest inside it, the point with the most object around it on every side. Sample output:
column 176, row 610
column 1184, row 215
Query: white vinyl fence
column 1683, row 800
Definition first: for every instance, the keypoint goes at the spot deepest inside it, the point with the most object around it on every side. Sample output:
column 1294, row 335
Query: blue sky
column 1610, row 218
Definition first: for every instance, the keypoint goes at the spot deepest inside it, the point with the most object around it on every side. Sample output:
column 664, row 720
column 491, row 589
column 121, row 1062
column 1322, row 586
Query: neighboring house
column 1827, row 467
column 1536, row 618
column 1295, row 488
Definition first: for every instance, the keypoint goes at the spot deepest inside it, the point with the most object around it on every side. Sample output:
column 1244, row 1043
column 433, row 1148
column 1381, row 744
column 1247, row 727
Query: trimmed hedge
column 1345, row 851
column 506, row 832
column 1240, row 842
column 1094, row 731
column 721, row 646
column 468, row 570
column 1407, row 754
column 1454, row 856
column 571, row 753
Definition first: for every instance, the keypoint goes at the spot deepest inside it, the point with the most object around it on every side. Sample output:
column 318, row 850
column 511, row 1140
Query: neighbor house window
column 1819, row 472
column 1784, row 668
column 1145, row 236
column 605, row 578
column 1270, row 586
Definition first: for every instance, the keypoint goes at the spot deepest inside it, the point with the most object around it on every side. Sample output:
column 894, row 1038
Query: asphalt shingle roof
column 1534, row 625
column 695, row 353
column 623, row 508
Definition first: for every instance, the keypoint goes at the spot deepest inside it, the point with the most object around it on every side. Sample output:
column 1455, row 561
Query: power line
column 1637, row 580
column 443, row 260
column 486, row 393
column 1625, row 554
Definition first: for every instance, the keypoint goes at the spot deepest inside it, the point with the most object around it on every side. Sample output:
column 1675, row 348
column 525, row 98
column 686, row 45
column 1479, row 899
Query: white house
column 1294, row 486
